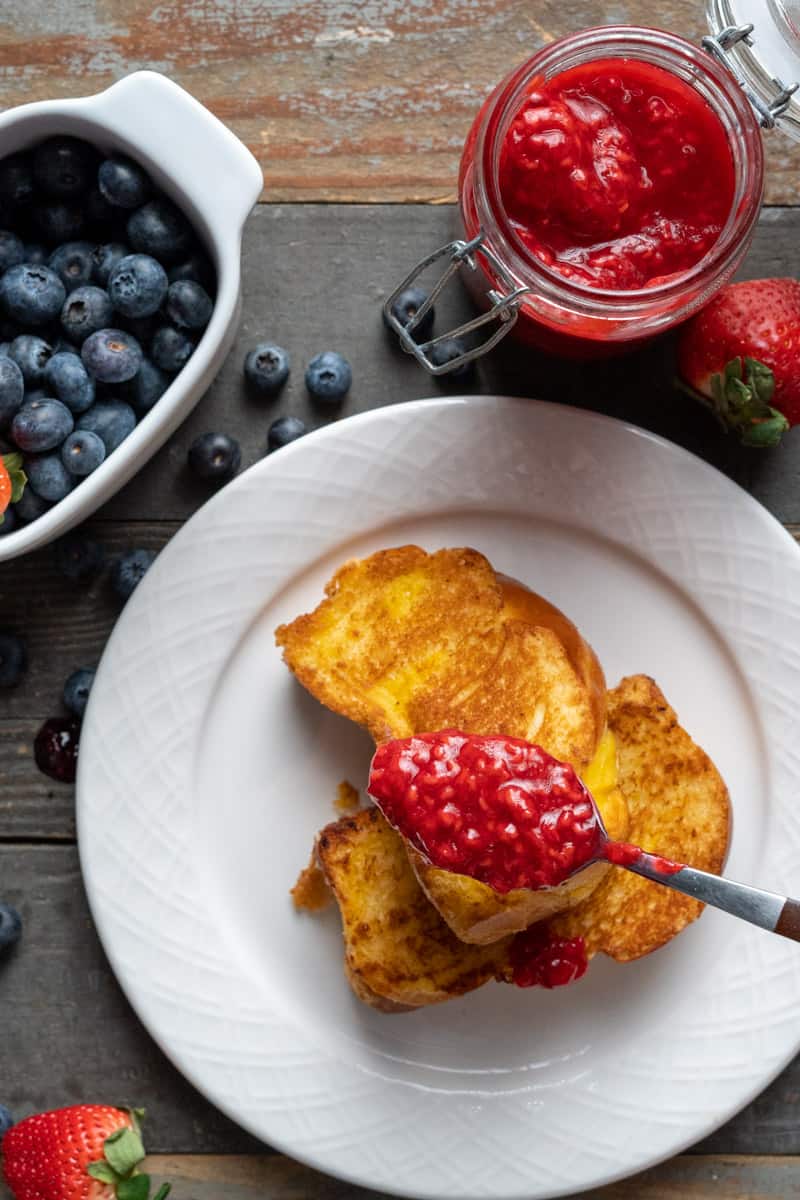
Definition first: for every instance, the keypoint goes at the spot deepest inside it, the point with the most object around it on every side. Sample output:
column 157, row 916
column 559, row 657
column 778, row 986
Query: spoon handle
column 776, row 913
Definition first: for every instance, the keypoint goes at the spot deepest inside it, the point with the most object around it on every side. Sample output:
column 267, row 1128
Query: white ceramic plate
column 205, row 772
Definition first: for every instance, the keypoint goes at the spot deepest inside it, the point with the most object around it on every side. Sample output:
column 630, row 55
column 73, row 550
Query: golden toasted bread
column 399, row 953
column 409, row 642
column 677, row 806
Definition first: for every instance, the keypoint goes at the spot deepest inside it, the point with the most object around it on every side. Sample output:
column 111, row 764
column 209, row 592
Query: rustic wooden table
column 357, row 112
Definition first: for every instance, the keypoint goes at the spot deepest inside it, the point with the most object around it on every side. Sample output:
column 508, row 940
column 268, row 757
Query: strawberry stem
column 740, row 400
column 163, row 1191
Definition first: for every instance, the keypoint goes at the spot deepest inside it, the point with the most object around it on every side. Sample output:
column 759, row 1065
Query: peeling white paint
column 360, row 34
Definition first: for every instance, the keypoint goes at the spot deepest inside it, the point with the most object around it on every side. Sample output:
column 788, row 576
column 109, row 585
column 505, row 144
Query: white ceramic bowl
column 215, row 181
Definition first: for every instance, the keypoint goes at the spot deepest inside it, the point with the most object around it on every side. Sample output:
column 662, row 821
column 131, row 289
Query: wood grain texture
column 338, row 100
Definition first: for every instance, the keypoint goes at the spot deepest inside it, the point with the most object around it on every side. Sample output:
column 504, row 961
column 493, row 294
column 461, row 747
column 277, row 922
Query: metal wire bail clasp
column 725, row 40
column 504, row 307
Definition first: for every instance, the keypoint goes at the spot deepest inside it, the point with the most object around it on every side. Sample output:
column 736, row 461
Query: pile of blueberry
column 104, row 292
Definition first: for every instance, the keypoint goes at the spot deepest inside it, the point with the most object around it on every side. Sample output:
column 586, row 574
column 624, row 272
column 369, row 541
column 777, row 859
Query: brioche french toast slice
column 407, row 642
column 401, row 954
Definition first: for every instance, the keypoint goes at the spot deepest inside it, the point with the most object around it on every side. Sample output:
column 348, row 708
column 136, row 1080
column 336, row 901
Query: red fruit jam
column 616, row 174
column 495, row 808
column 622, row 854
column 56, row 748
column 540, row 960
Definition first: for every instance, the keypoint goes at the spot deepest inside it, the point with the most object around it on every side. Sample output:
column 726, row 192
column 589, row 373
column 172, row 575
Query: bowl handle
column 199, row 153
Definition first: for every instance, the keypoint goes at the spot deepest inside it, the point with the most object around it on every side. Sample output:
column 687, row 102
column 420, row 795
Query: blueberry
column 58, row 220
column 76, row 690
column 445, row 352
column 68, row 379
column 32, row 295
column 31, row 354
column 215, row 456
column 111, row 355
column 148, row 386
column 123, row 183
column 48, row 477
column 87, row 310
column 9, row 521
column 17, row 185
column 12, row 390
column 34, row 254
column 158, row 228
column 72, row 263
column 55, row 748
column 30, row 507
column 13, row 659
column 62, row 166
column 4, row 349
column 111, row 420
column 142, row 328
column 104, row 259
column 12, row 251
column 10, row 928
column 129, row 570
column 407, row 304
column 283, row 431
column 82, row 452
column 266, row 368
column 137, row 285
column 99, row 213
column 78, row 557
column 41, row 425
column 198, row 268
column 188, row 304
column 171, row 349
column 62, row 345
column 328, row 377
column 6, row 1121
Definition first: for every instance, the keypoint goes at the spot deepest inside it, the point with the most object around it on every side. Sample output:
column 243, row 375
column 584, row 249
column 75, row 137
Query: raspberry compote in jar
column 611, row 184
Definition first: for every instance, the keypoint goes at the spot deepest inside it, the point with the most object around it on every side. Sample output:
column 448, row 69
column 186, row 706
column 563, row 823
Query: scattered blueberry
column 82, row 453
column 197, row 267
column 78, row 557
column 147, row 387
column 31, row 354
column 59, row 220
column 72, row 263
column 137, row 285
column 56, row 748
column 111, row 420
column 87, row 310
column 111, row 355
column 13, row 659
column 171, row 349
column 76, row 690
column 12, row 388
column 328, row 376
column 407, row 305
column 12, row 251
column 62, row 166
column 215, row 456
column 17, row 185
column 30, row 507
column 188, row 304
column 123, row 183
column 10, row 930
column 158, row 228
column 104, row 259
column 283, row 431
column 266, row 368
column 35, row 254
column 41, row 425
column 48, row 477
column 68, row 379
column 6, row 1121
column 129, row 570
column 32, row 295
column 445, row 352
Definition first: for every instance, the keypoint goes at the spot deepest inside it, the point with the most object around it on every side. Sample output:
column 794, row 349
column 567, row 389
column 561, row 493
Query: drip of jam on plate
column 56, row 748
column 616, row 174
column 496, row 808
column 539, row 959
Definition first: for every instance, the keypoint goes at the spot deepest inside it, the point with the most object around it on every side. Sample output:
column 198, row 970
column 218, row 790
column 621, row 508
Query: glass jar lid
column 759, row 40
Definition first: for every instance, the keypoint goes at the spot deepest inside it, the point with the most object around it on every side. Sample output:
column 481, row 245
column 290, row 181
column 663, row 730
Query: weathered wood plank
column 70, row 1036
column 337, row 101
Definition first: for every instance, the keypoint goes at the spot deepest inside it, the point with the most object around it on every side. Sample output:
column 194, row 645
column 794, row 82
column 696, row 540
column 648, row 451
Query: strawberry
column 12, row 481
column 741, row 356
column 86, row 1152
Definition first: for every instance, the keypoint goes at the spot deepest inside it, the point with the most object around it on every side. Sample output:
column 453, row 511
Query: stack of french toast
column 408, row 642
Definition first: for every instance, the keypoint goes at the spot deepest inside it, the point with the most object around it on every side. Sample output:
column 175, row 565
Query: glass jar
column 563, row 315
